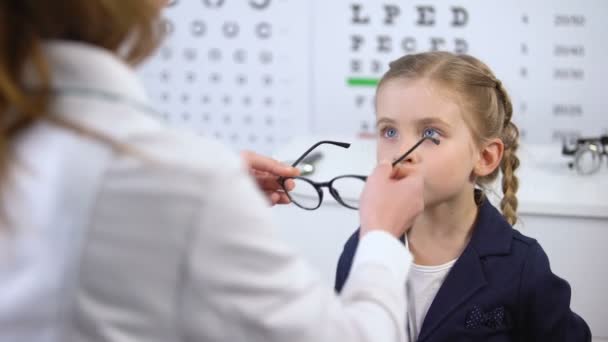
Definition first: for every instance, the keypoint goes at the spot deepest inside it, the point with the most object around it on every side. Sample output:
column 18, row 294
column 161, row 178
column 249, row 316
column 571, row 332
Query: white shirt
column 423, row 283
column 173, row 242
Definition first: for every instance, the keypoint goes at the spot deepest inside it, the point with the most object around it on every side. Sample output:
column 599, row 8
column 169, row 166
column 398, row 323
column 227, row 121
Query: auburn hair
column 130, row 28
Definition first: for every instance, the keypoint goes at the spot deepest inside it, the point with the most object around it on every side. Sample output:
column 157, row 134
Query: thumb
column 399, row 172
column 383, row 169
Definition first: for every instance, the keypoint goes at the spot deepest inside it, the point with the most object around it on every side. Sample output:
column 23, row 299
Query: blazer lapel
column 464, row 279
column 492, row 235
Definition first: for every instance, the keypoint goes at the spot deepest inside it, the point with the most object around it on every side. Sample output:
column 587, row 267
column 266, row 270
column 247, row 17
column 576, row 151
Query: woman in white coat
column 115, row 228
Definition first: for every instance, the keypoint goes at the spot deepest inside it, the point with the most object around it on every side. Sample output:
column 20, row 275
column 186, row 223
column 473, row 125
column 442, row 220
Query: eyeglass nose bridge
column 336, row 195
column 319, row 187
column 332, row 191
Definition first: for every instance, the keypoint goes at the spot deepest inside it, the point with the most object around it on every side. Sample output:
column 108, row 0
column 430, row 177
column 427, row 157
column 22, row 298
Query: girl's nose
column 411, row 156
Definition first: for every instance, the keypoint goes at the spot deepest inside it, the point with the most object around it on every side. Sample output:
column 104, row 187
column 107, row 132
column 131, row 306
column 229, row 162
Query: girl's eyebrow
column 420, row 122
column 385, row 120
column 432, row 120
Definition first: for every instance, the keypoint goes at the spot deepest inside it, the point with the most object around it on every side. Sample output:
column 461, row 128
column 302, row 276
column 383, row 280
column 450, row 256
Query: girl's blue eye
column 390, row 132
column 429, row 132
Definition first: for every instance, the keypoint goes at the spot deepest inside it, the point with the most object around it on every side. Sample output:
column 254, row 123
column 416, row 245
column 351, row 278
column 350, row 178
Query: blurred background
column 276, row 76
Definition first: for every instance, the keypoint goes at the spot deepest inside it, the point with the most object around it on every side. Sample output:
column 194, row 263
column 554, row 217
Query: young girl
column 474, row 277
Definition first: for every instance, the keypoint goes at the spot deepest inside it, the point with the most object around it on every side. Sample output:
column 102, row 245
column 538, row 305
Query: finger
column 283, row 199
column 270, row 183
column 277, row 197
column 257, row 173
column 290, row 184
column 267, row 164
column 399, row 172
column 274, row 198
column 383, row 169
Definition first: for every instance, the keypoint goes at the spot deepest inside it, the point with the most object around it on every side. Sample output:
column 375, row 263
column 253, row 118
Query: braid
column 510, row 161
column 506, row 102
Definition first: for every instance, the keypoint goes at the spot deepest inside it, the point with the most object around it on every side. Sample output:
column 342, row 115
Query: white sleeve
column 243, row 284
column 381, row 248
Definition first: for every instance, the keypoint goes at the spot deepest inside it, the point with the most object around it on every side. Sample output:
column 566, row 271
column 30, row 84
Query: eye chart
column 237, row 71
column 254, row 73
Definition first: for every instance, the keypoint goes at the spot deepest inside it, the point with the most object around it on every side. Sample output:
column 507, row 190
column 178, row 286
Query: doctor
column 115, row 228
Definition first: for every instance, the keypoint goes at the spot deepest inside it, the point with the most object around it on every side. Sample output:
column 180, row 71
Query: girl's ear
column 490, row 156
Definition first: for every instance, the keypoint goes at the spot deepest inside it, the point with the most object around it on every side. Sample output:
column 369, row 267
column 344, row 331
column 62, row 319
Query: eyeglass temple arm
column 337, row 143
column 436, row 141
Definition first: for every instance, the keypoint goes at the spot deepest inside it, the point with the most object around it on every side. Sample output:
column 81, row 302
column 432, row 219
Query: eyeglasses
column 587, row 153
column 345, row 189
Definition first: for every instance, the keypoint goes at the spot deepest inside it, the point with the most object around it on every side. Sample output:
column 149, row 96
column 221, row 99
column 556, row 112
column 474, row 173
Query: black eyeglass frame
column 329, row 184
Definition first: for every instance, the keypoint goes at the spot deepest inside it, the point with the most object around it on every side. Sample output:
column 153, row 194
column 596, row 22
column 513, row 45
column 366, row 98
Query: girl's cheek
column 384, row 152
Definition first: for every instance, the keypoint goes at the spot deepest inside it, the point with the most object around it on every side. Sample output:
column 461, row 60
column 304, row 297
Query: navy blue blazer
column 500, row 289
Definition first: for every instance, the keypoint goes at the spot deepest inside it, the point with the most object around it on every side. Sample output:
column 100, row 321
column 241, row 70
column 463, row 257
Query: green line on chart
column 362, row 82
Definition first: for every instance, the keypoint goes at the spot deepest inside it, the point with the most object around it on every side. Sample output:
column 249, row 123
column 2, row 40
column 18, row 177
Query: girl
column 474, row 277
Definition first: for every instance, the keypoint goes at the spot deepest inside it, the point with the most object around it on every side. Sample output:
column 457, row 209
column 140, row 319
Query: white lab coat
column 168, row 241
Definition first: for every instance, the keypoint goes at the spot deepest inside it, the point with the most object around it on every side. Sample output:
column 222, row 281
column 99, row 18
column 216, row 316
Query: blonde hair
column 26, row 24
column 483, row 98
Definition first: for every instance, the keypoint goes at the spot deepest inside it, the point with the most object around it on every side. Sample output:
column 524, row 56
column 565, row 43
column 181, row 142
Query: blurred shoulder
column 161, row 158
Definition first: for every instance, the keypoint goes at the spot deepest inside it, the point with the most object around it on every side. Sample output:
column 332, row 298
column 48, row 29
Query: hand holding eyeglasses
column 267, row 172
